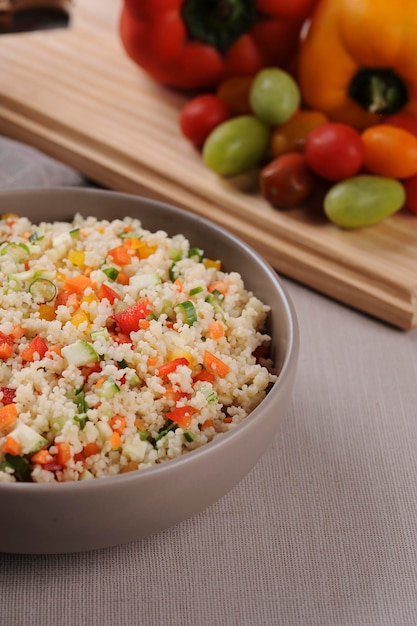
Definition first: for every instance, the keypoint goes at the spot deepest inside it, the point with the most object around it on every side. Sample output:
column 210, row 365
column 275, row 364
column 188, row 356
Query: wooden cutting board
column 75, row 95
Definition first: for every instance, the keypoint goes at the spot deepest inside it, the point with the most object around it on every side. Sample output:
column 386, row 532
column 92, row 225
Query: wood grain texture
column 75, row 95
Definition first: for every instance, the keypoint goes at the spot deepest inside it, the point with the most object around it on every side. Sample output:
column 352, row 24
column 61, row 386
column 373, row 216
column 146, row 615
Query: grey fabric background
column 323, row 531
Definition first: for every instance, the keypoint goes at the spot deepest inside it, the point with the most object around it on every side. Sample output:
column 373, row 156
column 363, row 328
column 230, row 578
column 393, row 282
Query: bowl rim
column 220, row 440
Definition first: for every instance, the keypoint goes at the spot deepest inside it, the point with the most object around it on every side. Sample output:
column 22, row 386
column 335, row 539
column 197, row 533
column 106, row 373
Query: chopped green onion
column 195, row 291
column 209, row 394
column 196, row 254
column 122, row 364
column 215, row 299
column 175, row 254
column 188, row 436
column 130, row 235
column 18, row 251
column 143, row 435
column 42, row 290
column 34, row 237
column 189, row 311
column 81, row 420
column 111, row 272
column 173, row 272
column 170, row 425
column 19, row 465
column 75, row 233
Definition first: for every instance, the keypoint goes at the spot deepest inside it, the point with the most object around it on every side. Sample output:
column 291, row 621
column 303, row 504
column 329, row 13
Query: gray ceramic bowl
column 70, row 517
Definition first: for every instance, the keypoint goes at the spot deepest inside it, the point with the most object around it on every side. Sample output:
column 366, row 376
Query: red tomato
column 410, row 186
column 235, row 93
column 334, row 151
column 291, row 136
column 404, row 121
column 201, row 115
column 287, row 181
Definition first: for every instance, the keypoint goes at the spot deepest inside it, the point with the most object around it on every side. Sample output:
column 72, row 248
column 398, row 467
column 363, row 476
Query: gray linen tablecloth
column 323, row 531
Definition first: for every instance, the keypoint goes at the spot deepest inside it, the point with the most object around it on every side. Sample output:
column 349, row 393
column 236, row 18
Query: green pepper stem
column 378, row 90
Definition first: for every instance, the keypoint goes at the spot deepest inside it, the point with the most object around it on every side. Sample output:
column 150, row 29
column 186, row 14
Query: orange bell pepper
column 358, row 61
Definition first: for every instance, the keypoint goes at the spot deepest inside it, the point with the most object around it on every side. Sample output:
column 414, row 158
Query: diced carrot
column 8, row 414
column 152, row 361
column 56, row 350
column 64, row 452
column 87, row 271
column 6, row 350
column 144, row 324
column 101, row 381
column 218, row 285
column 178, row 284
column 117, row 423
column 42, row 457
column 140, row 424
column 11, row 446
column 215, row 365
column 122, row 278
column 228, row 420
column 78, row 284
column 127, row 229
column 18, row 332
column 216, row 330
column 182, row 415
column 36, row 346
column 90, row 449
column 207, row 424
column 115, row 440
column 120, row 255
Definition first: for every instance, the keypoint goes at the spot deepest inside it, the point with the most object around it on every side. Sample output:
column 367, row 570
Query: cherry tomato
column 287, row 181
column 235, row 93
column 410, row 186
column 201, row 115
column 404, row 121
column 334, row 151
column 390, row 151
column 291, row 136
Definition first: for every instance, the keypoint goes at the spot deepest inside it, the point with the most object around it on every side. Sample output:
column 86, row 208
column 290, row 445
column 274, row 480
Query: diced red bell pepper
column 8, row 395
column 170, row 366
column 182, row 415
column 107, row 292
column 37, row 345
column 128, row 319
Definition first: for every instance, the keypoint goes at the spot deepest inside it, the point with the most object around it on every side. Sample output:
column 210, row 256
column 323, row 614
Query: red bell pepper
column 195, row 44
column 128, row 319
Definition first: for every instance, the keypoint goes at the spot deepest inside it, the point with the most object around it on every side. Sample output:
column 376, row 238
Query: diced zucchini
column 108, row 389
column 135, row 449
column 80, row 353
column 101, row 333
column 29, row 439
column 147, row 279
